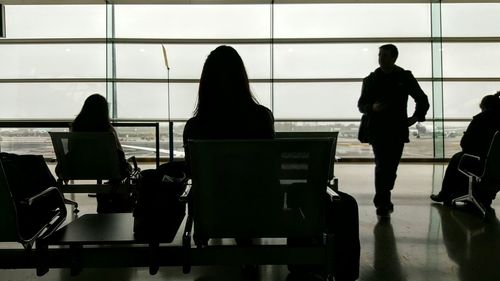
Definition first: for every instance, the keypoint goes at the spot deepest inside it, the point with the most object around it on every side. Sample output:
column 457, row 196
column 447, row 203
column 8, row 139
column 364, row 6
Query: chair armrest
column 133, row 160
column 467, row 163
column 58, row 218
column 29, row 201
column 334, row 184
column 185, row 195
column 332, row 194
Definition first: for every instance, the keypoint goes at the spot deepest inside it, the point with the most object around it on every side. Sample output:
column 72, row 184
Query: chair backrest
column 30, row 206
column 8, row 213
column 492, row 164
column 315, row 135
column 86, row 155
column 240, row 189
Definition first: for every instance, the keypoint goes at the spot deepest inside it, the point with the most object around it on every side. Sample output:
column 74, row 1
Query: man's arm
column 421, row 100
column 365, row 103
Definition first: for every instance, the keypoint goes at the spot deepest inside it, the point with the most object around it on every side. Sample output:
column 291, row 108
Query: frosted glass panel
column 461, row 99
column 324, row 100
column 471, row 19
column 45, row 100
column 56, row 21
column 193, row 21
column 150, row 100
column 186, row 61
column 53, row 61
column 471, row 60
column 345, row 60
column 352, row 20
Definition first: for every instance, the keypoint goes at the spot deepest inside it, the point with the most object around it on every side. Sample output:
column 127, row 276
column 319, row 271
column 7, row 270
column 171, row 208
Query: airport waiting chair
column 248, row 189
column 488, row 179
column 84, row 156
column 22, row 218
column 332, row 180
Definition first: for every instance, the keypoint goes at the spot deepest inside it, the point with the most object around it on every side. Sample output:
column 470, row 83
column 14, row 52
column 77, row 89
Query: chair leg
column 72, row 203
column 469, row 197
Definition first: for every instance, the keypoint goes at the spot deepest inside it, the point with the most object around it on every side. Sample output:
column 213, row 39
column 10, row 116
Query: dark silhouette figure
column 384, row 99
column 386, row 263
column 227, row 110
column 226, row 107
column 473, row 244
column 94, row 117
column 476, row 141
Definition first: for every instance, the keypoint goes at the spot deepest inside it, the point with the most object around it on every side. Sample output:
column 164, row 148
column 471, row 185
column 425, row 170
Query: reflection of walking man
column 384, row 99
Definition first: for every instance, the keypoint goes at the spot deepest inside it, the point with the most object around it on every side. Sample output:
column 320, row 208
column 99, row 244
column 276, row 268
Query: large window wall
column 305, row 60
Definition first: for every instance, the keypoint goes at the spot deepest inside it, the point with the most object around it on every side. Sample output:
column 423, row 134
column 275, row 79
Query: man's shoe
column 438, row 197
column 385, row 211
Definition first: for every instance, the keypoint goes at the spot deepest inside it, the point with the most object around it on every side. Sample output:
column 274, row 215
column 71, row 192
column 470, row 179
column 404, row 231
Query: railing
column 155, row 123
column 67, row 124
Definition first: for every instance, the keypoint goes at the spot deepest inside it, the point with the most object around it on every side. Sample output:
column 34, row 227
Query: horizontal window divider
column 261, row 41
column 263, row 80
column 54, row 80
column 228, row 2
column 130, row 122
column 66, row 123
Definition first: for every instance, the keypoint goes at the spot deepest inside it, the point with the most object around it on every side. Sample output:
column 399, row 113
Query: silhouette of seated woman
column 476, row 141
column 94, row 117
column 226, row 107
column 227, row 110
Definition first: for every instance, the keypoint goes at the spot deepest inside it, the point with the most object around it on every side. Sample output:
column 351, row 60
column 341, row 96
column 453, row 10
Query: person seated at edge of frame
column 476, row 141
column 94, row 117
column 226, row 109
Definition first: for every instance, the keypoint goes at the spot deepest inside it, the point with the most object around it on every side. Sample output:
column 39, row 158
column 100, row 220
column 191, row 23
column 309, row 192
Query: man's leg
column 454, row 182
column 387, row 157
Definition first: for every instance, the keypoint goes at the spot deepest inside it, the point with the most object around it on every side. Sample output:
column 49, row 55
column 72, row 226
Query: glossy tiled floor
column 421, row 241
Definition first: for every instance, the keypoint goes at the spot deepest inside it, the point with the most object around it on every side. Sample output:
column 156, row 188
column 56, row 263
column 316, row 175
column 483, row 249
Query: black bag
column 158, row 213
column 115, row 202
column 27, row 176
column 363, row 134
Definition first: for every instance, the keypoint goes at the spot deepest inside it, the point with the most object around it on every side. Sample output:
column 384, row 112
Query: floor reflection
column 386, row 262
column 472, row 243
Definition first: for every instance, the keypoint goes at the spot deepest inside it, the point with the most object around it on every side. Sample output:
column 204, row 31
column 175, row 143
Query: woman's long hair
column 94, row 115
column 224, row 85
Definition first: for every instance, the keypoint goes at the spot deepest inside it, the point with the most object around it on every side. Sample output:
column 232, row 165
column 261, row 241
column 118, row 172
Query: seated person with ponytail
column 475, row 141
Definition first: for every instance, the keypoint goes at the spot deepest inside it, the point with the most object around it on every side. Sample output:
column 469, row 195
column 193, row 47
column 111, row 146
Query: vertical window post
column 111, row 60
column 2, row 21
column 437, row 79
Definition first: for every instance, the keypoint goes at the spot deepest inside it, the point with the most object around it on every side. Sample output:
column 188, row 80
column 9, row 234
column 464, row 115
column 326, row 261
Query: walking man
column 384, row 100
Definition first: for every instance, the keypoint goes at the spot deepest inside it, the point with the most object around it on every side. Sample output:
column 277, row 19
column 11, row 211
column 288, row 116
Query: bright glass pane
column 324, row 100
column 55, row 21
column 471, row 19
column 186, row 61
column 453, row 132
column 53, row 61
column 351, row 20
column 150, row 100
column 471, row 60
column 193, row 21
column 142, row 100
column 461, row 99
column 345, row 60
column 45, row 100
